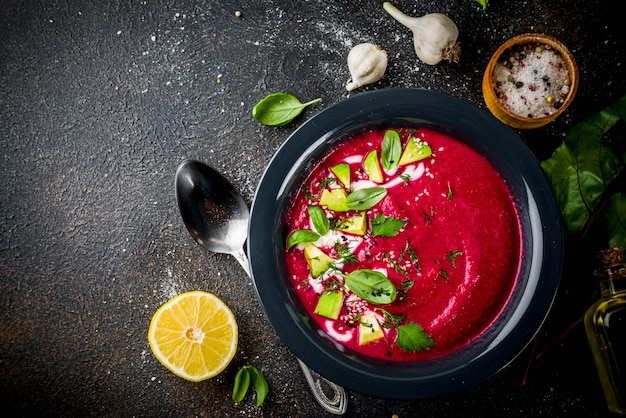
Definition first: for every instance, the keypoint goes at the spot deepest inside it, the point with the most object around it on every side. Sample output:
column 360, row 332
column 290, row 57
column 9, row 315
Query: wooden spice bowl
column 494, row 102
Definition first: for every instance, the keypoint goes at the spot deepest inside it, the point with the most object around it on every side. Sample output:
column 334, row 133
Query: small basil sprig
column 320, row 223
column 370, row 285
column 244, row 376
column 363, row 199
column 391, row 150
column 319, row 219
column 302, row 236
column 279, row 109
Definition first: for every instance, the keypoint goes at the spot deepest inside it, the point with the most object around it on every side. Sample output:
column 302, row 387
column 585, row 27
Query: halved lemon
column 194, row 335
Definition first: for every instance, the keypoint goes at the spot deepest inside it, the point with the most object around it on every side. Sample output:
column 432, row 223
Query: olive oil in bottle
column 605, row 323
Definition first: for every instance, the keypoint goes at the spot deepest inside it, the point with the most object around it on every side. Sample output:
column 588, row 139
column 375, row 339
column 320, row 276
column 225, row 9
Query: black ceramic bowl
column 541, row 230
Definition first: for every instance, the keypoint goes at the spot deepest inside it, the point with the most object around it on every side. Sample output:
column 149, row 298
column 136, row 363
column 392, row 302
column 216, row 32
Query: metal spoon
column 217, row 218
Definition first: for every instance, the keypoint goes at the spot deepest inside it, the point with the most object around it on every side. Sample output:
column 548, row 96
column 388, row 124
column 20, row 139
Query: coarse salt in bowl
column 530, row 80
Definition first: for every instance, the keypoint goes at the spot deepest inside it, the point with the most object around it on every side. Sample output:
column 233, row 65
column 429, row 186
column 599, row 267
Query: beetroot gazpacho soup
column 404, row 244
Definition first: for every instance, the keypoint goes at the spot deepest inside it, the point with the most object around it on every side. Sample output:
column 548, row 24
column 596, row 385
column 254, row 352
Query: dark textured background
column 100, row 102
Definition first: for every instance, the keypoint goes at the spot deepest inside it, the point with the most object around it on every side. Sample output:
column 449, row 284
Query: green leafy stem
column 588, row 177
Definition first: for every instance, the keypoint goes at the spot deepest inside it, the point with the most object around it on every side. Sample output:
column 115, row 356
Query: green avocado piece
column 369, row 329
column 329, row 304
column 334, row 199
column 342, row 171
column 372, row 167
column 317, row 259
column 356, row 224
column 415, row 150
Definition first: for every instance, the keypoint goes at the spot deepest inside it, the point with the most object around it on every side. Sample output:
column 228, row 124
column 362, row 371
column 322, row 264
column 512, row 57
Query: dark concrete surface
column 100, row 102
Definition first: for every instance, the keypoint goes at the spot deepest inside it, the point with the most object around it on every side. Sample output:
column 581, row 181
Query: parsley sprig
column 386, row 226
column 411, row 336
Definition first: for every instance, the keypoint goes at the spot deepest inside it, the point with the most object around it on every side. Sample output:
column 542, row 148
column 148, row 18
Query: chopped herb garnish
column 345, row 255
column 427, row 218
column 333, row 284
column 366, row 324
column 444, row 274
column 397, row 266
column 405, row 177
column 408, row 249
column 452, row 255
column 449, row 191
column 406, row 285
column 386, row 226
column 326, row 182
column 309, row 195
column 391, row 321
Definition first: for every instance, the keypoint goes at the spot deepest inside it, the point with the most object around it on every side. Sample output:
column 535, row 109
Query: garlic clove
column 434, row 35
column 367, row 64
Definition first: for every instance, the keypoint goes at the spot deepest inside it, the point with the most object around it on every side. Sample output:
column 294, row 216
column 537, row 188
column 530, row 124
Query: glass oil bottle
column 605, row 324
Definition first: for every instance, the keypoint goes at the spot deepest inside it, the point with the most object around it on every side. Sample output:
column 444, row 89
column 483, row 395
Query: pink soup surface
column 454, row 203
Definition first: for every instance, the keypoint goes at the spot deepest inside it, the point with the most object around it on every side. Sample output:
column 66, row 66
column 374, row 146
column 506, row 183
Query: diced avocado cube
column 317, row 259
column 334, row 199
column 415, row 150
column 372, row 167
column 342, row 171
column 369, row 329
column 329, row 304
column 356, row 224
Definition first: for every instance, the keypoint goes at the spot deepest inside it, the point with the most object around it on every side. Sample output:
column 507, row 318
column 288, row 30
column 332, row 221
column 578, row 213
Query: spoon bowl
column 213, row 210
column 217, row 218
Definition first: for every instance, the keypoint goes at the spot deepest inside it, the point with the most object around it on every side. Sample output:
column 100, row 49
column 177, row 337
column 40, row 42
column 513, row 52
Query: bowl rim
column 378, row 378
column 565, row 53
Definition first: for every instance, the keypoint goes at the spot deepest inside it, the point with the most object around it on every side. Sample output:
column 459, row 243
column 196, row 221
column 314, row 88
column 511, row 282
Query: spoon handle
column 243, row 260
column 337, row 402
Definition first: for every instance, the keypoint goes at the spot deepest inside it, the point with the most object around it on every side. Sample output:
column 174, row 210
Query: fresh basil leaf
column 386, row 226
column 483, row 3
column 617, row 220
column 364, row 199
column 319, row 219
column 412, row 337
column 279, row 109
column 372, row 286
column 391, row 150
column 260, row 384
column 242, row 382
column 302, row 236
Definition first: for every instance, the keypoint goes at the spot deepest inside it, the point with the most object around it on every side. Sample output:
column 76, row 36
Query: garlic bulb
column 367, row 64
column 434, row 35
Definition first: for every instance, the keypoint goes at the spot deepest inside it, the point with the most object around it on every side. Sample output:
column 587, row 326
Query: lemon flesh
column 194, row 335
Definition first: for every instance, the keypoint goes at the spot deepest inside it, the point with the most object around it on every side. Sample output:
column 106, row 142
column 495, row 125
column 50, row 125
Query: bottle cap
column 610, row 257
